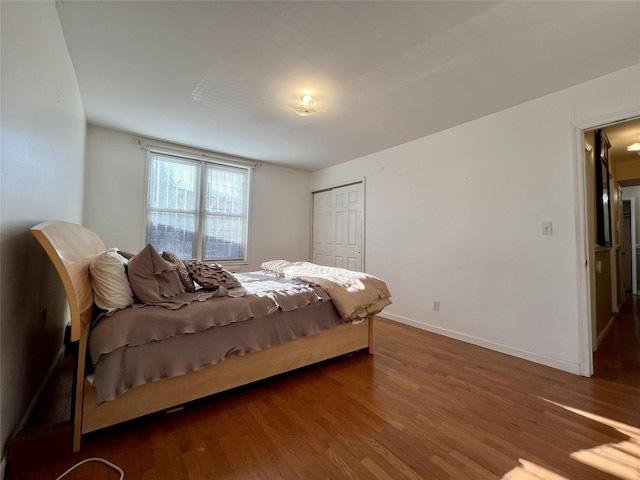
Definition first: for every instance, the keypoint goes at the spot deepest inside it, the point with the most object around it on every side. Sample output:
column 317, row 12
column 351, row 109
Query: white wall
column 633, row 193
column 114, row 201
column 43, row 138
column 457, row 217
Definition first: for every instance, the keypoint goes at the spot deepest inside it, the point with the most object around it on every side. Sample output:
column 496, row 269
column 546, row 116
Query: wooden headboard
column 71, row 247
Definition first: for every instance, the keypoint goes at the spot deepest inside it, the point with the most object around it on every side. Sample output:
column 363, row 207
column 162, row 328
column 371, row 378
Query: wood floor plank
column 422, row 407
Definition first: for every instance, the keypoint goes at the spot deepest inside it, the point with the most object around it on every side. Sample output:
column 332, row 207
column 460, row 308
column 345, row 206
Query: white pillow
column 111, row 289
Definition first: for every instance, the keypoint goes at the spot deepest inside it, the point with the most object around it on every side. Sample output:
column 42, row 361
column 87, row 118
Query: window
column 197, row 209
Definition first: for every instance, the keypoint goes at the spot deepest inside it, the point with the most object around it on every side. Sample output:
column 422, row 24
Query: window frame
column 203, row 162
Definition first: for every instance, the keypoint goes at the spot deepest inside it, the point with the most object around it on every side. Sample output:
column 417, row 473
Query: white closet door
column 337, row 227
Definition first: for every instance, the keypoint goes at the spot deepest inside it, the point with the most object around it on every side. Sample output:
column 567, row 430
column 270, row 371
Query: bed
column 71, row 248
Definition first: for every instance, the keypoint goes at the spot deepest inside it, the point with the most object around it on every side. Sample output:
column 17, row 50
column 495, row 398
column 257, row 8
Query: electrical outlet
column 436, row 305
column 547, row 228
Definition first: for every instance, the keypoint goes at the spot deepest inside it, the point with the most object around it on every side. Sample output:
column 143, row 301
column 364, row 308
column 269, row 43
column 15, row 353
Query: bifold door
column 337, row 227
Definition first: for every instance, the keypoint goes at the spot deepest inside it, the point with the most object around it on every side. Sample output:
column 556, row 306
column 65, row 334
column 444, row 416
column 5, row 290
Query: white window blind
column 198, row 209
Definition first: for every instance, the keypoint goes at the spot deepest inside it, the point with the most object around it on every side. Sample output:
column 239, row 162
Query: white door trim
column 634, row 279
column 331, row 186
column 584, row 256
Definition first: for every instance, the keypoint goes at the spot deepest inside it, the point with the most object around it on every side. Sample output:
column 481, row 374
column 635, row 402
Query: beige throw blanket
column 355, row 294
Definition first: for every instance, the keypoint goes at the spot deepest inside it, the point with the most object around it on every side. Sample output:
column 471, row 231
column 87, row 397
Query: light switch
column 547, row 228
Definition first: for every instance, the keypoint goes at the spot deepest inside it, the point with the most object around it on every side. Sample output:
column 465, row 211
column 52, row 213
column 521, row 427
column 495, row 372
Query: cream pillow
column 111, row 289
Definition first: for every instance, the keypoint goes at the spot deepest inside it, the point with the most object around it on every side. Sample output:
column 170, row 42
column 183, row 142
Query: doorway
column 620, row 251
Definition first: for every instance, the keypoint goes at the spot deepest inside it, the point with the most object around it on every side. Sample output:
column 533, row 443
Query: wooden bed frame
column 71, row 247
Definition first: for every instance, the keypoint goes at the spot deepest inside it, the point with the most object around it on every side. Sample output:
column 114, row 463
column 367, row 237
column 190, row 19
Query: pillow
column 111, row 289
column 125, row 254
column 152, row 278
column 211, row 275
column 277, row 266
column 185, row 279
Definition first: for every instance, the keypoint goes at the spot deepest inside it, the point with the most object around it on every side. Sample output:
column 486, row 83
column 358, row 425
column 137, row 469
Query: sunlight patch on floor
column 530, row 471
column 607, row 458
column 620, row 459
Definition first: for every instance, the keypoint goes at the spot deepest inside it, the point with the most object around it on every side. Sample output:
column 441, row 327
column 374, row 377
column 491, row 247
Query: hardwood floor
column 618, row 357
column 422, row 407
column 54, row 406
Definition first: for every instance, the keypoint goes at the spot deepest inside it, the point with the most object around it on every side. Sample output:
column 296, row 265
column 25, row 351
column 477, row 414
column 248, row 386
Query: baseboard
column 605, row 331
column 36, row 447
column 498, row 347
column 36, row 397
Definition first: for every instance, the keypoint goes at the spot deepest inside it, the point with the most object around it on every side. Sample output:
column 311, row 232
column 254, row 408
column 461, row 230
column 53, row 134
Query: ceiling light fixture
column 635, row 147
column 306, row 106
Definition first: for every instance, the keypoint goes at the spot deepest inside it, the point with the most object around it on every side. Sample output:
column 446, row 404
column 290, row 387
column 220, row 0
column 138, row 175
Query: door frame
column 585, row 244
column 634, row 279
column 584, row 255
column 361, row 219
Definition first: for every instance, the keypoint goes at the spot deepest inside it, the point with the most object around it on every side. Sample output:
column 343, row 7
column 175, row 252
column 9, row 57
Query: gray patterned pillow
column 185, row 278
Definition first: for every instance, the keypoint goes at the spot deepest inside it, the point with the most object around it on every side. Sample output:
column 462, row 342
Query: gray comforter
column 145, row 343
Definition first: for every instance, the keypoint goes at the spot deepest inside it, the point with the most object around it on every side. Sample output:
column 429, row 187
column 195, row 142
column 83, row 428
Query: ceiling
column 220, row 75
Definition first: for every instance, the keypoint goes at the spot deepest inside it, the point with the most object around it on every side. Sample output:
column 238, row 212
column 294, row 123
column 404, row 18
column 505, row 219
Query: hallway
column 618, row 357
